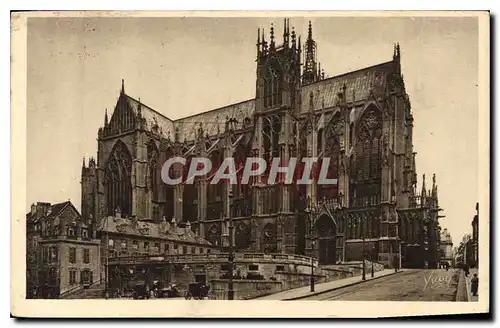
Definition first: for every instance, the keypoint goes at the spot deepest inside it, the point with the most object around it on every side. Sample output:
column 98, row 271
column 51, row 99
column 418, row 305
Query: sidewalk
column 471, row 298
column 305, row 291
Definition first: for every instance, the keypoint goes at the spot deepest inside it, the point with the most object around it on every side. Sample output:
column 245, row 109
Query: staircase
column 94, row 291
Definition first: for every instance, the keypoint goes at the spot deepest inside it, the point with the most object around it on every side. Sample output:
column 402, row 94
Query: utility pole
column 363, row 248
column 230, row 292
column 313, row 242
column 106, row 257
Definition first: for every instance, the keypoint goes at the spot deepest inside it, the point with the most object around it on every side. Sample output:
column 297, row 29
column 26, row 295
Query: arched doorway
column 325, row 230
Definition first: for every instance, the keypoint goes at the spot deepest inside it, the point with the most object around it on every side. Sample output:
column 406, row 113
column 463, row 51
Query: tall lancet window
column 153, row 172
column 368, row 168
column 272, row 87
column 333, row 133
column 169, row 189
column 118, row 180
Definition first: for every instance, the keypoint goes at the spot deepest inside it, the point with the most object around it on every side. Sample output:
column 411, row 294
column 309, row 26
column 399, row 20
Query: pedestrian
column 474, row 284
column 466, row 269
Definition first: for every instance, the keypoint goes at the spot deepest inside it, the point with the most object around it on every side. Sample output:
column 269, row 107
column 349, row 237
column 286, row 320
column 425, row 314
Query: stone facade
column 361, row 121
column 63, row 254
column 446, row 246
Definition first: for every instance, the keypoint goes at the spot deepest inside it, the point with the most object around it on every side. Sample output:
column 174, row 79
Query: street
column 411, row 285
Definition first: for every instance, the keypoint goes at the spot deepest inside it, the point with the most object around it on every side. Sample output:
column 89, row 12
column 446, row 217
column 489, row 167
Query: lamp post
column 363, row 276
column 312, row 265
column 372, row 248
column 309, row 213
column 230, row 292
column 363, row 250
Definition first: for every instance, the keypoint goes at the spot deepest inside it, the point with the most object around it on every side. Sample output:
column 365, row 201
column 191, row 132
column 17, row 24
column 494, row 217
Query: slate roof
column 149, row 229
column 152, row 117
column 55, row 210
column 324, row 94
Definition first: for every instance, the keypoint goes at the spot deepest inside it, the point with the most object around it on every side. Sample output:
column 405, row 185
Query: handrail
column 79, row 287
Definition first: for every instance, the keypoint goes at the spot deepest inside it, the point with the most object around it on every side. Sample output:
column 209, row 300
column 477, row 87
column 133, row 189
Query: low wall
column 244, row 289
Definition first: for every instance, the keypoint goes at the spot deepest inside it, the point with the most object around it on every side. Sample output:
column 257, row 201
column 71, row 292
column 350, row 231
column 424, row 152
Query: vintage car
column 166, row 292
column 197, row 291
column 140, row 291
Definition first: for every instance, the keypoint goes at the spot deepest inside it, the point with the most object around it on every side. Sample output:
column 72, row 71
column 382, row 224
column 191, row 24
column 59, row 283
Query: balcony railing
column 212, row 257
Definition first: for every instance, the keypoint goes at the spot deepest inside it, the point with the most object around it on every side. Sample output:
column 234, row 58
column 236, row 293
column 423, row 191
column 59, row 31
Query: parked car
column 141, row 290
column 167, row 292
column 197, row 290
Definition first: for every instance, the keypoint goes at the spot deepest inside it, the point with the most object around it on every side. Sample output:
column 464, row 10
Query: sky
column 184, row 66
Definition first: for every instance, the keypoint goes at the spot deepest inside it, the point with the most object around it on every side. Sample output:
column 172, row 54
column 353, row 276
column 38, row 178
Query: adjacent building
column 129, row 237
column 475, row 238
column 62, row 253
column 446, row 248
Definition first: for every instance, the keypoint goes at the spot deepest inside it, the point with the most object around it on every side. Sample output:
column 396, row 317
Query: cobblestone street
column 411, row 285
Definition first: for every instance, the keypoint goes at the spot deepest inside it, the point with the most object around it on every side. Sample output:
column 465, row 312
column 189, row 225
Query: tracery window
column 242, row 236
column 367, row 164
column 189, row 198
column 272, row 130
column 272, row 88
column 168, row 211
column 269, row 243
column 333, row 132
column 154, row 173
column 118, row 180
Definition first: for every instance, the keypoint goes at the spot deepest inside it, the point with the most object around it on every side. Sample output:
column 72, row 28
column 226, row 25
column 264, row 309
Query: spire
column 423, row 194
column 434, row 184
column 286, row 32
column 123, row 86
column 294, row 41
column 272, row 45
column 310, row 74
column 83, row 164
column 396, row 57
column 106, row 117
column 264, row 43
column 258, row 42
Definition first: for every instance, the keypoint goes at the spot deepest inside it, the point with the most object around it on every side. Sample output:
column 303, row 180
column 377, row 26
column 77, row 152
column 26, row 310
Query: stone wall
column 244, row 289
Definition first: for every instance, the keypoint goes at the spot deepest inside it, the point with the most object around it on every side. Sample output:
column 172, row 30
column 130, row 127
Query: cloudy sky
column 182, row 66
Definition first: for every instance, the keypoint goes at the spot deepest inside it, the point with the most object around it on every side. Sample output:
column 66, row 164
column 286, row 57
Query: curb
column 462, row 280
column 467, row 289
column 337, row 288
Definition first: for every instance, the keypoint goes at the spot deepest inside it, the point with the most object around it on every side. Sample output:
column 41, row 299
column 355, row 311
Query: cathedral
column 361, row 120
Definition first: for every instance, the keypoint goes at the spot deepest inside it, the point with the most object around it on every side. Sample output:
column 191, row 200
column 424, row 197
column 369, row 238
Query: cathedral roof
column 151, row 116
column 324, row 94
column 215, row 120
column 149, row 229
column 358, row 82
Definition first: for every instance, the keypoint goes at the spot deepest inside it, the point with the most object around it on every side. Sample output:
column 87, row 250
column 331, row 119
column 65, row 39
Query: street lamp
column 230, row 292
column 309, row 213
column 312, row 265
column 363, row 276
column 372, row 248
